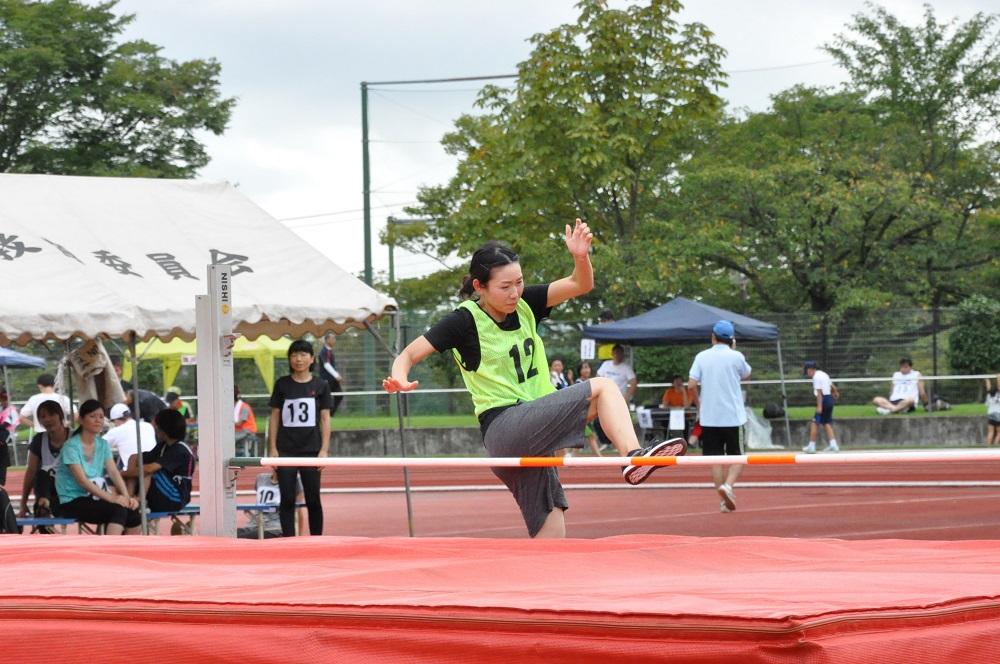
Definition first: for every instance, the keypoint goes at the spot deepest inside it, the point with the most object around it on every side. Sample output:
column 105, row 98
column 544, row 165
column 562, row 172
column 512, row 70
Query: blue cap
column 723, row 330
column 809, row 364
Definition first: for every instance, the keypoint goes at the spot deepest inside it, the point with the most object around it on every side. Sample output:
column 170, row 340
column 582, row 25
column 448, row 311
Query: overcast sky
column 294, row 142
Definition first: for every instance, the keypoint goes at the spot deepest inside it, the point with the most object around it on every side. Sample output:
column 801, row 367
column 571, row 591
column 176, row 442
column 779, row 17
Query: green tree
column 941, row 82
column 974, row 345
column 75, row 99
column 883, row 192
column 594, row 127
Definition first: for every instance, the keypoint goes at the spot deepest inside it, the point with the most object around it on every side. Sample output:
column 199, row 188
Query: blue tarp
column 13, row 359
column 677, row 322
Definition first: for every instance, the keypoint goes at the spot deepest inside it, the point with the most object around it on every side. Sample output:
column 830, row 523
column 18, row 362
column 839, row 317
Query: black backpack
column 8, row 519
column 773, row 411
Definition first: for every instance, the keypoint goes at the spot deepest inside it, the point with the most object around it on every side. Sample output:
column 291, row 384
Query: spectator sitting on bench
column 677, row 395
column 85, row 466
column 43, row 458
column 907, row 389
column 168, row 467
column 268, row 493
column 246, row 425
column 122, row 439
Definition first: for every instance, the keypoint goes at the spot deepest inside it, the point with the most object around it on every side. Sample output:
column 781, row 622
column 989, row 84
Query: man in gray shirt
column 717, row 373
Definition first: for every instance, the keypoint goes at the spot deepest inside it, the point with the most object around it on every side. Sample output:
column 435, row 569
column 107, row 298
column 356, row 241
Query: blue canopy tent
column 12, row 358
column 684, row 321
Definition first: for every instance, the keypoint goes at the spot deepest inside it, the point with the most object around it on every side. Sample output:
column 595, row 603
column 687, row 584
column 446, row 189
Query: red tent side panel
column 620, row 599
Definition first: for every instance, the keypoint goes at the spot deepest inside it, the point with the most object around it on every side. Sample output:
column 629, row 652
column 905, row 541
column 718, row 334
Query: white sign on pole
column 216, row 436
column 588, row 349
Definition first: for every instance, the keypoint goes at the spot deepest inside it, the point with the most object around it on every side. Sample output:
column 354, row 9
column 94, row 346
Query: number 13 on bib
column 299, row 412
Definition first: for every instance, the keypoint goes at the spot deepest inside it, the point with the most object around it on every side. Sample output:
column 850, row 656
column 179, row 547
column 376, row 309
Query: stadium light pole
column 369, row 348
column 366, row 160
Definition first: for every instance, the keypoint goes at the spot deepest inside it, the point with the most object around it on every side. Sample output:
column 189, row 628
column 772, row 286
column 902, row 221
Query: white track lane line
column 573, row 521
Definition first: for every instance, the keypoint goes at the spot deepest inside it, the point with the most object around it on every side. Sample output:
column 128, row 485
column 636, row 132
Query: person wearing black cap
column 718, row 372
column 825, row 392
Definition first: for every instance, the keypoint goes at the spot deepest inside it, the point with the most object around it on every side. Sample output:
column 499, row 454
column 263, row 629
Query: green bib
column 512, row 367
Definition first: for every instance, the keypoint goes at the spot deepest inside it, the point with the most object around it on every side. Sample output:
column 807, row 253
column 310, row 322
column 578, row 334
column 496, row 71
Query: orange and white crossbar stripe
column 763, row 458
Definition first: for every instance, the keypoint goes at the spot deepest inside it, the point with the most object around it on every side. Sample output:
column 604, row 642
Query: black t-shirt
column 458, row 330
column 176, row 462
column 299, row 405
column 149, row 403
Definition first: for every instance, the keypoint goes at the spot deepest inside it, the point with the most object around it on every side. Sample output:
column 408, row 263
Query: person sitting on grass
column 85, row 466
column 907, row 389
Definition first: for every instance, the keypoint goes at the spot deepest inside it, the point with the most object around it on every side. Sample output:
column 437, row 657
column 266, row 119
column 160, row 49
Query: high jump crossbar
column 764, row 459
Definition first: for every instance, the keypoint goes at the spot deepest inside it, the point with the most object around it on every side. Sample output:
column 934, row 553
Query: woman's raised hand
column 579, row 239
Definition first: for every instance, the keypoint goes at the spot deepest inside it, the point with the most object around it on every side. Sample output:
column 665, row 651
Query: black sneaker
column 638, row 474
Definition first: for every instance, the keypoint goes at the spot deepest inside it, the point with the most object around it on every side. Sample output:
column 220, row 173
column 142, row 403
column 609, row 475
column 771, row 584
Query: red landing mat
column 626, row 599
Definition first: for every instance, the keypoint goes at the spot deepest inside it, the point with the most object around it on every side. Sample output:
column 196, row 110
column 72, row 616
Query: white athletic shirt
column 904, row 386
column 28, row 409
column 822, row 383
column 122, row 439
column 993, row 405
column 622, row 374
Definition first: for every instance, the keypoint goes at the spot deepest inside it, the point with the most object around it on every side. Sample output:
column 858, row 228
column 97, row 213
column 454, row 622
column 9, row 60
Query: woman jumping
column 494, row 339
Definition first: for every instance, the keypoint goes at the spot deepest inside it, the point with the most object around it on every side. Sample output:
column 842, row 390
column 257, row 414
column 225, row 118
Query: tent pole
column 137, row 414
column 69, row 387
column 400, row 405
column 784, row 395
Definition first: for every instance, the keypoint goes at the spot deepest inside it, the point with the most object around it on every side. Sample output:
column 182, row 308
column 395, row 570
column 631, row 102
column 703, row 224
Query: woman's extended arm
column 581, row 281
column 398, row 380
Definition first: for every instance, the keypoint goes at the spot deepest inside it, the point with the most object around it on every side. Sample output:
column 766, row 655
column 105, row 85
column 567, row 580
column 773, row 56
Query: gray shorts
column 538, row 428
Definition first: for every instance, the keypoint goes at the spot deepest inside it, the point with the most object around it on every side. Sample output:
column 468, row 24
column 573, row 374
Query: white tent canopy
column 88, row 256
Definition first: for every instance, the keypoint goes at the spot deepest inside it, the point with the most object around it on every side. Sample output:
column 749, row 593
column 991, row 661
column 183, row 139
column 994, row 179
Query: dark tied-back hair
column 490, row 255
column 86, row 408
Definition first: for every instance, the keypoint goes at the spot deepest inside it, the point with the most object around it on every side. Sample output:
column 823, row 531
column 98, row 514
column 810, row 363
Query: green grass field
column 354, row 422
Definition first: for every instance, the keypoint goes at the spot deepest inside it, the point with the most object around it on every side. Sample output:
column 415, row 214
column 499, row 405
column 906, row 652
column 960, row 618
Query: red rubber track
column 942, row 513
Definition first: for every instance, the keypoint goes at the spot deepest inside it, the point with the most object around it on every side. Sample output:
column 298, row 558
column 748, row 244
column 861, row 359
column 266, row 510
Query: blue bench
column 184, row 518
column 257, row 512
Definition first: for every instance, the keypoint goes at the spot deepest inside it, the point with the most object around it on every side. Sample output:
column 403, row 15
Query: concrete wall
column 888, row 431
column 893, row 430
